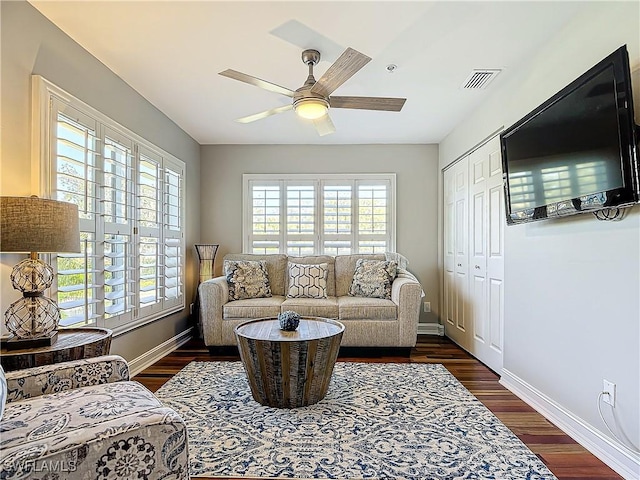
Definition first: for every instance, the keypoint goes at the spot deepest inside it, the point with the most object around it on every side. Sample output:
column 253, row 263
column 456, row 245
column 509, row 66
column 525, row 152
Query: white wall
column 31, row 44
column 572, row 308
column 416, row 168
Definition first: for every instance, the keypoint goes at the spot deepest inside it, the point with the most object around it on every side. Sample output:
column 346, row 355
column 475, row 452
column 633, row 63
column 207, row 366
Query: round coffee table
column 289, row 369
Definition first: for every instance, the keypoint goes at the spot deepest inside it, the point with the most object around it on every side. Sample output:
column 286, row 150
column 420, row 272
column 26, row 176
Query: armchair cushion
column 77, row 420
column 121, row 428
column 58, row 377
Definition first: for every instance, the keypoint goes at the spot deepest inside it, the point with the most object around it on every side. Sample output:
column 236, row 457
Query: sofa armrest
column 213, row 295
column 407, row 294
column 36, row 381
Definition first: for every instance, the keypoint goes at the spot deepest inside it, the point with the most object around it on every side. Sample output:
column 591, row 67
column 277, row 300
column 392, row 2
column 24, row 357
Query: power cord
column 610, row 214
column 626, row 443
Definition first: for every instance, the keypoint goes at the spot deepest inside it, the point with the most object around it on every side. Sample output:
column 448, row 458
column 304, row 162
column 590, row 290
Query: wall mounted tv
column 578, row 151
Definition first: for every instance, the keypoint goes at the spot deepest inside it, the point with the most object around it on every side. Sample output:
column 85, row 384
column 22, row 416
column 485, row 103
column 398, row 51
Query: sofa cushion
column 253, row 307
column 312, row 307
column 307, row 281
column 362, row 308
column 276, row 268
column 345, row 266
column 373, row 278
column 247, row 279
column 315, row 259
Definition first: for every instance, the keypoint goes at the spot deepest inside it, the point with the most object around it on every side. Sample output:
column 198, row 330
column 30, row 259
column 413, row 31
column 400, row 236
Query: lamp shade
column 32, row 224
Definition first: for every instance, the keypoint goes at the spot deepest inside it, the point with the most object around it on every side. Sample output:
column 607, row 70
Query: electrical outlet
column 610, row 392
column 427, row 307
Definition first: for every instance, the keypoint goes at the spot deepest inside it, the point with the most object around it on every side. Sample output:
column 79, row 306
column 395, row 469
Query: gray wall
column 415, row 166
column 572, row 314
column 32, row 45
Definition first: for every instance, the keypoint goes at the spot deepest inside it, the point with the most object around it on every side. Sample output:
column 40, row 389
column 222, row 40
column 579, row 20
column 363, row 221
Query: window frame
column 319, row 181
column 48, row 102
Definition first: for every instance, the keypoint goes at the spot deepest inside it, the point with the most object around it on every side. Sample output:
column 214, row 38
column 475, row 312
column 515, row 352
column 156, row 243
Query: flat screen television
column 578, row 151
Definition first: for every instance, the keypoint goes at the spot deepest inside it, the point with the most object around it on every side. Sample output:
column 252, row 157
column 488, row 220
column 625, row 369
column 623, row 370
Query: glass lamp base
column 32, row 317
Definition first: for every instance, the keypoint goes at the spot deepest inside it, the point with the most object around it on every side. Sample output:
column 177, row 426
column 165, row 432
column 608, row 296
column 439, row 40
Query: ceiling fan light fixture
column 311, row 108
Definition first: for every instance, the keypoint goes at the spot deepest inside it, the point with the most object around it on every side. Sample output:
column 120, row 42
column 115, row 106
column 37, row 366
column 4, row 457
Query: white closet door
column 457, row 320
column 495, row 259
column 474, row 254
column 486, row 250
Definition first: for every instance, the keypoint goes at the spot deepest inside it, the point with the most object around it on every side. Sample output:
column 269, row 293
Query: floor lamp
column 206, row 261
column 32, row 225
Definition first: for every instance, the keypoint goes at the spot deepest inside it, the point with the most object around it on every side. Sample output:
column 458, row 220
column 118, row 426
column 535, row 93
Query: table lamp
column 32, row 224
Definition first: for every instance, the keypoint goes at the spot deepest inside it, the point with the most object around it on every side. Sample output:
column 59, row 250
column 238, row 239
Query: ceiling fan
column 312, row 100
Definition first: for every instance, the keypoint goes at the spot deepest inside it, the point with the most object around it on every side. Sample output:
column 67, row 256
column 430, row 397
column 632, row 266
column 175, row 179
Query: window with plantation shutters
column 319, row 214
column 130, row 197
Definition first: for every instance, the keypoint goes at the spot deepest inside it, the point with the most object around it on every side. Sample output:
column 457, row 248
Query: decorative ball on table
column 289, row 320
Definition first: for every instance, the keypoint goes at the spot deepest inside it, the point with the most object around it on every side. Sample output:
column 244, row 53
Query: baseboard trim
column 619, row 458
column 165, row 348
column 430, row 329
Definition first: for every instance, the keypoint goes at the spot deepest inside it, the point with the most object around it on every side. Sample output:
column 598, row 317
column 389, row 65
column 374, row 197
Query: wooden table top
column 67, row 338
column 310, row 328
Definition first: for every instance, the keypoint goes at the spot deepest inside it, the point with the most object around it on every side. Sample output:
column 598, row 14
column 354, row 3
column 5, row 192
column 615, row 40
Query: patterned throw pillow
column 246, row 279
column 308, row 281
column 373, row 278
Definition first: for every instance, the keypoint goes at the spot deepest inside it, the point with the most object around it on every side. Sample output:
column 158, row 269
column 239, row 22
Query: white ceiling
column 171, row 53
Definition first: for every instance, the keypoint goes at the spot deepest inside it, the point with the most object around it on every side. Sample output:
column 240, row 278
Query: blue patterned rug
column 378, row 421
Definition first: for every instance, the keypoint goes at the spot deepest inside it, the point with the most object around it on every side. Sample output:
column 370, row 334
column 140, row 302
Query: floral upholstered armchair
column 84, row 419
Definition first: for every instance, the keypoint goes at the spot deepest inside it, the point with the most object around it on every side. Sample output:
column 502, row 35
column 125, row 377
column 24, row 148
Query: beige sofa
column 369, row 322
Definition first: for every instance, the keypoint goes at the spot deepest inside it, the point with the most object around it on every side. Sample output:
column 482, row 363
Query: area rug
column 378, row 421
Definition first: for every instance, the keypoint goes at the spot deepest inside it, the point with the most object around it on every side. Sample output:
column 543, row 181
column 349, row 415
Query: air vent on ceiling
column 479, row 79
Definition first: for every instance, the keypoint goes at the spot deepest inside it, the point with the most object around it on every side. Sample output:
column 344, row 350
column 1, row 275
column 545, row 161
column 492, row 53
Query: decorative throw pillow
column 308, row 281
column 247, row 279
column 373, row 278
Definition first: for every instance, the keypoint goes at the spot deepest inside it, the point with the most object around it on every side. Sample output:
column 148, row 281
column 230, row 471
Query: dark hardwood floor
column 564, row 457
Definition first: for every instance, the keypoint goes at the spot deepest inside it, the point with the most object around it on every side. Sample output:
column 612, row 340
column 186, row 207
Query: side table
column 72, row 344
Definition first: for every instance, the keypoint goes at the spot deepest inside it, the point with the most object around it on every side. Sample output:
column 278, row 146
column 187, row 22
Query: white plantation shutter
column 319, row 214
column 265, row 230
column 130, row 197
column 300, row 219
column 149, row 232
column 74, row 159
column 173, row 233
column 373, row 217
column 117, row 221
column 337, row 219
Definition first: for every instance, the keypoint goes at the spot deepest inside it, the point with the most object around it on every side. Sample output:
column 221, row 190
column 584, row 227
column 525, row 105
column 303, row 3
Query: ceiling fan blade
column 243, row 77
column 324, row 125
column 342, row 70
column 265, row 114
column 368, row 103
